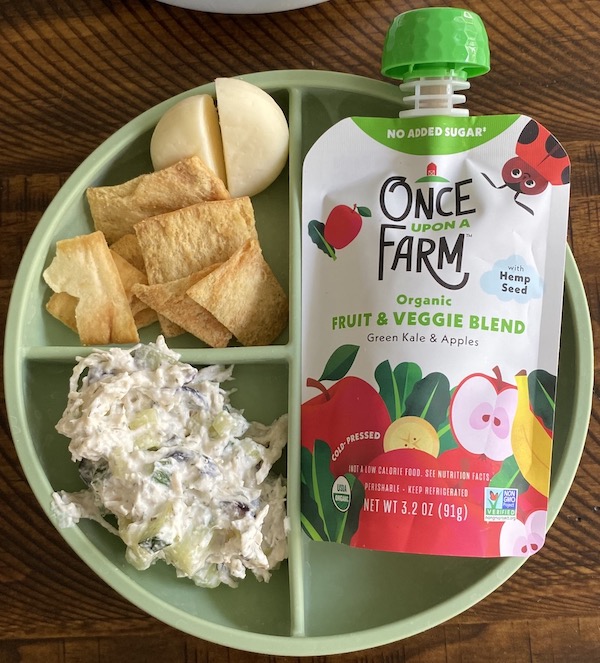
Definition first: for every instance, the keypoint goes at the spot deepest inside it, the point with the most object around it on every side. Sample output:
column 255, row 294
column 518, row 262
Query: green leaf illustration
column 542, row 394
column 322, row 480
column 340, row 362
column 430, row 399
column 364, row 211
column 509, row 476
column 351, row 517
column 388, row 389
column 319, row 517
column 395, row 386
column 306, row 470
column 447, row 440
column 309, row 518
column 316, row 231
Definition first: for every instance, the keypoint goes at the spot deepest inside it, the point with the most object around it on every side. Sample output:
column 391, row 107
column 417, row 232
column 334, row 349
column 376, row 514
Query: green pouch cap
column 436, row 42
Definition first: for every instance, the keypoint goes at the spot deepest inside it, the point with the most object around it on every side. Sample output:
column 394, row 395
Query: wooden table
column 72, row 73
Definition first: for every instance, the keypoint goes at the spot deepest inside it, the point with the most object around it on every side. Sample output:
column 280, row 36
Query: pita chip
column 169, row 299
column 129, row 277
column 116, row 209
column 62, row 306
column 145, row 317
column 128, row 247
column 244, row 295
column 186, row 241
column 84, row 268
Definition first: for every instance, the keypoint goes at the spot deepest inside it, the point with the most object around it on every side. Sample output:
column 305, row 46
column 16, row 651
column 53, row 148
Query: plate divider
column 230, row 355
column 296, row 562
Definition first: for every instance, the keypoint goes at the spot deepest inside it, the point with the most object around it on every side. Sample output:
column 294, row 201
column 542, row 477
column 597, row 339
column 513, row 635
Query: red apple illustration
column 465, row 471
column 350, row 416
column 482, row 410
column 343, row 225
column 398, row 520
column 428, row 522
column 459, row 463
column 529, row 501
column 420, row 515
column 471, row 536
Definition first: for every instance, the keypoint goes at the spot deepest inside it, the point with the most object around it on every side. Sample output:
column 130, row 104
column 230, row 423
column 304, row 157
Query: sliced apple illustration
column 482, row 411
column 522, row 539
column 255, row 136
column 189, row 128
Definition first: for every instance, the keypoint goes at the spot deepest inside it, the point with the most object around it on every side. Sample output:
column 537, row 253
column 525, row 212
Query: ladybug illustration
column 540, row 160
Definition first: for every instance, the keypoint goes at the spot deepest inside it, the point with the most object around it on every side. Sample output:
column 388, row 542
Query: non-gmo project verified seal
column 500, row 504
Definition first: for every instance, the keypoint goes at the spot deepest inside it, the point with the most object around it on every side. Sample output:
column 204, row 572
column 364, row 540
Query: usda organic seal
column 340, row 493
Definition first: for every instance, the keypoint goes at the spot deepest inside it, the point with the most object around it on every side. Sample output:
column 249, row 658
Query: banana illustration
column 531, row 442
column 412, row 433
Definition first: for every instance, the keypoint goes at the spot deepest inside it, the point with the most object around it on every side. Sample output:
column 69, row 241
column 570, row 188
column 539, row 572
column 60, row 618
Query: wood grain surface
column 71, row 73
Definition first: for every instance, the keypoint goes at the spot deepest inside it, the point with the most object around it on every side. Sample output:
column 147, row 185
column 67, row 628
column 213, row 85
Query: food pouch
column 433, row 250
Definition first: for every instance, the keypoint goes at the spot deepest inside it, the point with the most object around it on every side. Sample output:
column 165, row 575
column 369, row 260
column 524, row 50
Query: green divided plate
column 327, row 598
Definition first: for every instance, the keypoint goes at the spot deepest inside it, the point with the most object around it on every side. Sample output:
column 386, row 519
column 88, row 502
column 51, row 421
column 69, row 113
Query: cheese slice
column 255, row 136
column 189, row 128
